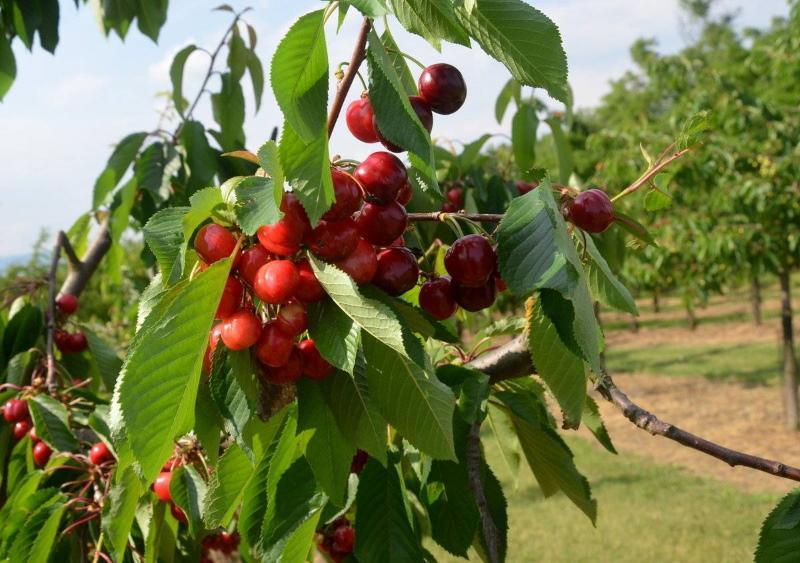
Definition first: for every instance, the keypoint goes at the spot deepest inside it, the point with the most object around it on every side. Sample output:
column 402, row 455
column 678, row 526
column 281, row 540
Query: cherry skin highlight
column 361, row 264
column 15, row 410
column 241, row 330
column 161, row 486
column 214, row 242
column 283, row 237
column 276, row 282
column 274, row 346
column 382, row 175
column 382, row 224
column 398, row 270
column 41, row 454
column 470, row 261
column 591, row 211
column 314, row 365
column 20, row 429
column 436, row 297
column 443, row 87
column 359, row 118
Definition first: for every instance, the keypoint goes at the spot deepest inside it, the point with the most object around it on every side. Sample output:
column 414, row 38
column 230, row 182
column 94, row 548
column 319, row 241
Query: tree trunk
column 656, row 303
column 790, row 398
column 690, row 316
column 755, row 298
column 634, row 323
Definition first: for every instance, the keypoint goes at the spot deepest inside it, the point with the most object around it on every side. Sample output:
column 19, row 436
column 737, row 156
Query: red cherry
column 284, row 236
column 405, row 194
column 397, row 270
column 241, row 330
column 34, row 437
column 474, row 298
column 499, row 283
column 20, row 429
column 214, row 242
column 443, row 87
column 250, row 260
column 62, row 340
column 41, row 454
column 214, row 337
column 344, row 538
column 170, row 464
column 78, row 342
column 359, row 121
column 178, row 513
column 360, row 459
column 231, row 299
column 314, row 365
column 436, row 297
column 333, row 240
column 525, row 187
column 308, row 289
column 161, row 486
column 423, row 111
column 276, row 282
column 382, row 175
column 287, row 373
column 449, row 208
column 382, row 224
column 67, row 303
column 470, row 261
column 361, row 264
column 347, row 195
column 456, row 197
column 99, row 453
column 591, row 211
column 274, row 346
column 15, row 410
column 292, row 318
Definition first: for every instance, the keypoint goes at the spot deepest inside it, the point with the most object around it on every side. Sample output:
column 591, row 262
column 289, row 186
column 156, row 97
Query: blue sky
column 64, row 113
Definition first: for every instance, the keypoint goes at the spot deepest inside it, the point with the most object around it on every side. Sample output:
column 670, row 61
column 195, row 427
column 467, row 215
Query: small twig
column 444, row 216
column 473, row 455
column 651, row 173
column 66, row 246
column 359, row 52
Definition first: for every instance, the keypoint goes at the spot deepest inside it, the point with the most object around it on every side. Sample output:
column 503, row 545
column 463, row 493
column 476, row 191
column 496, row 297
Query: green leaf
column 201, row 159
column 693, row 129
column 432, row 20
column 117, row 165
column 563, row 150
column 226, row 486
column 779, row 540
column 510, row 91
column 655, row 200
column 307, row 169
column 498, row 509
column 78, row 233
column 234, row 391
column 238, row 53
column 384, row 532
column 299, row 76
column 228, row 109
column 152, row 15
column 8, row 66
column 370, row 8
column 605, row 285
column 521, row 37
column 47, row 534
column 415, row 318
column 163, row 233
column 104, row 357
column 120, row 218
column 157, row 387
column 472, row 387
column 523, row 137
column 207, row 423
column 399, row 63
column 176, row 75
column 51, row 420
column 119, row 510
column 336, row 335
column 594, row 422
column 269, row 159
column 22, row 330
column 451, row 507
column 188, row 491
column 255, row 203
column 328, row 452
column 256, row 71
column 634, row 227
column 35, row 540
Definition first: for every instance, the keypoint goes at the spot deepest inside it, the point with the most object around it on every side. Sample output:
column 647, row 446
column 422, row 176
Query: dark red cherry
column 382, row 224
column 276, row 282
column 358, row 462
column 382, row 175
column 67, row 303
column 525, row 187
column 443, row 87
column 436, row 297
column 41, row 454
column 405, row 194
column 250, row 260
column 361, row 264
column 292, row 318
column 78, row 342
column 591, row 211
column 456, row 197
column 241, row 330
column 20, row 429
column 398, row 270
column 448, row 207
column 284, row 236
column 359, row 120
column 474, row 298
column 214, row 242
column 274, row 346
column 333, row 240
column 178, row 513
column 15, row 410
column 347, row 195
column 99, row 453
column 470, row 261
column 161, row 486
column 287, row 373
column 308, row 288
column 344, row 539
column 231, row 299
column 423, row 111
column 62, row 340
column 314, row 365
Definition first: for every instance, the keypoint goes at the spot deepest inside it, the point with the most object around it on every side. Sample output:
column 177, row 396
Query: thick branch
column 79, row 276
column 512, row 360
column 442, row 216
column 51, row 315
column 359, row 52
column 476, row 485
column 66, row 246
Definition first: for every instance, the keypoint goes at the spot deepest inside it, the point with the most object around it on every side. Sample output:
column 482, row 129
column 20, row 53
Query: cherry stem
column 358, row 74
column 407, row 56
column 444, row 216
column 359, row 53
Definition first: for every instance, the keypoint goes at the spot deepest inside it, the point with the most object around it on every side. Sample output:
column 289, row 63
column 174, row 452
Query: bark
column 656, row 302
column 755, row 298
column 691, row 318
column 790, row 398
column 634, row 323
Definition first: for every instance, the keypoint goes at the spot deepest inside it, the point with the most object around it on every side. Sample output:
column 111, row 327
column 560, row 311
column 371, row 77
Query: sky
column 64, row 113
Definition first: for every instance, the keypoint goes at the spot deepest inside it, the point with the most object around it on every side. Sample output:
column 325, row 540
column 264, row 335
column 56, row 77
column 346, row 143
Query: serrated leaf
column 693, row 129
column 399, row 63
column 176, row 76
column 119, row 510
column 207, row 423
column 255, row 203
column 523, row 137
column 269, row 160
column 307, row 169
column 634, row 227
column 51, row 420
column 370, row 8
column 472, row 387
column 655, row 200
column 188, row 491
column 120, row 218
column 433, row 20
column 451, row 507
column 594, row 422
column 336, row 335
column 498, row 509
column 605, row 285
column 104, row 356
column 163, row 233
column 119, row 162
column 563, row 150
column 417, row 319
column 23, row 330
column 37, row 536
column 78, row 233
column 510, row 91
column 226, row 487
column 779, row 540
column 235, row 392
column 228, row 110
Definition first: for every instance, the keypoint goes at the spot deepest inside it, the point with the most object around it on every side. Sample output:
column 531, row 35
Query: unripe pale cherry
column 359, row 118
column 382, row 175
column 397, row 272
column 241, row 330
column 214, row 242
column 314, row 365
column 436, row 297
column 308, row 290
column 470, row 261
column 591, row 211
column 292, row 318
column 333, row 240
column 443, row 87
column 274, row 346
column 276, row 282
column 382, row 224
column 361, row 264
column 67, row 303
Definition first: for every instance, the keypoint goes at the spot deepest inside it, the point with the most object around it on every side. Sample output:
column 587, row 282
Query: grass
column 682, row 321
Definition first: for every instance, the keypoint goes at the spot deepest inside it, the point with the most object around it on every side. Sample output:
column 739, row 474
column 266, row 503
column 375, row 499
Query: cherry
column 382, row 224
column 214, row 242
column 285, row 235
column 15, row 410
column 405, row 194
column 292, row 318
column 360, row 459
column 436, row 297
column 250, row 260
column 314, row 365
column 171, row 464
column 287, row 373
column 524, row 187
column 231, row 298
column 344, row 538
column 456, row 197
column 382, row 175
column 443, row 87
column 67, row 303
column 397, row 270
column 178, row 513
column 499, row 283
column 591, row 211
column 359, row 117
column 214, row 337
column 333, row 240
column 474, row 298
column 161, row 486
column 308, row 289
column 423, row 111
column 20, row 429
column 99, row 453
column 41, row 454
column 470, row 261
column 34, row 437
column 241, row 330
column 361, row 264
column 78, row 342
column 274, row 346
column 449, row 208
column 276, row 281
column 347, row 194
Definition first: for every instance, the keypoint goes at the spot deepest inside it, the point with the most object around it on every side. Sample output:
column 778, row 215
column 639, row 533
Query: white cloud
column 83, row 85
column 196, row 65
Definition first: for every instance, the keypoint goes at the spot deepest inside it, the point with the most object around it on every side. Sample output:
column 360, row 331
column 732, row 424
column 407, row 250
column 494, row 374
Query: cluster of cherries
column 161, row 489
column 222, row 542
column 68, row 342
column 337, row 539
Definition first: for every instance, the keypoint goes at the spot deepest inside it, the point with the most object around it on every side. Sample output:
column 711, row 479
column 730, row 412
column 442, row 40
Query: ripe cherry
column 314, row 365
column 231, row 299
column 456, row 197
column 405, row 194
column 287, row 373
column 382, row 175
column 361, row 264
column 524, row 187
column 34, row 437
column 241, row 330
column 285, row 235
column 41, row 454
column 274, row 346
column 67, row 303
column 308, row 288
column 292, row 318
column 20, row 429
column 99, row 453
column 443, row 87
column 591, row 211
column 347, row 194
column 15, row 410
column 344, row 538
column 333, row 240
column 276, row 281
column 382, row 224
column 499, row 283
column 474, row 298
column 423, row 111
column 359, row 117
column 397, row 270
column 358, row 462
column 250, row 260
column 62, row 340
column 214, row 242
column 78, row 342
column 178, row 513
column 470, row 261
column 436, row 297
column 161, row 486
column 214, row 336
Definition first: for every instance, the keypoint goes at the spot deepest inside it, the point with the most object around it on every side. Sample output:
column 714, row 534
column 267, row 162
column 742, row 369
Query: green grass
column 646, row 512
column 703, row 318
column 749, row 363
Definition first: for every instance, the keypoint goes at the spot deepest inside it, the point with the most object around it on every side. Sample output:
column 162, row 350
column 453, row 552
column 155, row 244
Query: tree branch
column 359, row 52
column 513, row 360
column 442, row 216
column 79, row 276
column 473, row 460
column 66, row 246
